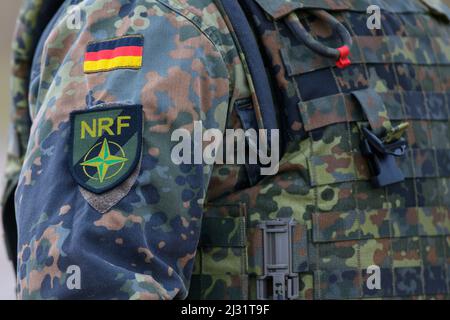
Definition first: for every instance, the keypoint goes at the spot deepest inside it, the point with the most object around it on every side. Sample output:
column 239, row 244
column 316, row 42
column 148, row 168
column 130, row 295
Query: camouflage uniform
column 137, row 240
column 399, row 74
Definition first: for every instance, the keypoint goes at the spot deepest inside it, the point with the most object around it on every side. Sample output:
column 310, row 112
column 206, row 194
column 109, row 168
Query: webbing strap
column 374, row 110
column 219, row 287
column 246, row 113
column 298, row 59
column 234, row 234
column 343, row 107
column 348, row 167
column 335, row 234
column 354, row 225
column 300, row 249
column 250, row 48
column 280, row 8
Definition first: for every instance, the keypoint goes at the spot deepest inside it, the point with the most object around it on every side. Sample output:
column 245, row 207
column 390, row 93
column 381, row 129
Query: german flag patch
column 119, row 53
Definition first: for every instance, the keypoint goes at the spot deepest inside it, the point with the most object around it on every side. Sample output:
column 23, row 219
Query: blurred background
column 8, row 14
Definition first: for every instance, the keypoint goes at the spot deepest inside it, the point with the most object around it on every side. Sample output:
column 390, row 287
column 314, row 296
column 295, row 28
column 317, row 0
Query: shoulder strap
column 250, row 49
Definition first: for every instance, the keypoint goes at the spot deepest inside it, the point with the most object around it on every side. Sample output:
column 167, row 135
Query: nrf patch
column 119, row 53
column 105, row 146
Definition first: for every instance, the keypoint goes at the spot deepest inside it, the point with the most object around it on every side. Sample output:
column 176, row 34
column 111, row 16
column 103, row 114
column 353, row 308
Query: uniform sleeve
column 104, row 211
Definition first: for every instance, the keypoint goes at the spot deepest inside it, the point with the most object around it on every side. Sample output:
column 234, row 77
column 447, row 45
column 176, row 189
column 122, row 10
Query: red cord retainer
column 343, row 61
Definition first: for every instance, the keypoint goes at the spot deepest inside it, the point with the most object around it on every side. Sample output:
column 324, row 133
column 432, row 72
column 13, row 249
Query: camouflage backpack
column 364, row 179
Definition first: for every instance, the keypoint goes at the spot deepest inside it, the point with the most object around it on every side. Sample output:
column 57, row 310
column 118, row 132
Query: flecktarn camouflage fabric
column 131, row 220
column 345, row 224
column 93, row 123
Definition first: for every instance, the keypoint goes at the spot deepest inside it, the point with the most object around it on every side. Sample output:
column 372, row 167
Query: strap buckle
column 382, row 153
column 278, row 282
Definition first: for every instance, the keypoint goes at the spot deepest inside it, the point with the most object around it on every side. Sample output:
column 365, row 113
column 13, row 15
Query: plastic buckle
column 279, row 282
column 343, row 60
column 381, row 157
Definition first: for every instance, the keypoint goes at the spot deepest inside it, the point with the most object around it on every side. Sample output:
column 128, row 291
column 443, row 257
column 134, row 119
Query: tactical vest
column 364, row 182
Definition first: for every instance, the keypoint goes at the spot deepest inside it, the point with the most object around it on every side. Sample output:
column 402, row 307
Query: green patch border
column 137, row 157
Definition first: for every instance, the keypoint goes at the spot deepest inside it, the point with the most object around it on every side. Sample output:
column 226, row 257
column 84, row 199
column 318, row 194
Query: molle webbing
column 342, row 108
column 249, row 46
column 398, row 74
column 324, row 254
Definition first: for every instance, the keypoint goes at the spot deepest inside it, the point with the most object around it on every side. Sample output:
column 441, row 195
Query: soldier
column 363, row 187
column 95, row 104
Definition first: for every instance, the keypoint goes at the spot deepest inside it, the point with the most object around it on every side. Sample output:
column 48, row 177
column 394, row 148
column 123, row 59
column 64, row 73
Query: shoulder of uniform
column 207, row 17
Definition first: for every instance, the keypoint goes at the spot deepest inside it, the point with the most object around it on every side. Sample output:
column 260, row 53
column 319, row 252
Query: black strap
column 254, row 60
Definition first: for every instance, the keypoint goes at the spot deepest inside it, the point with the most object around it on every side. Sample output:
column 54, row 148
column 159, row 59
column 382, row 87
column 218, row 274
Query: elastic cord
column 340, row 54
